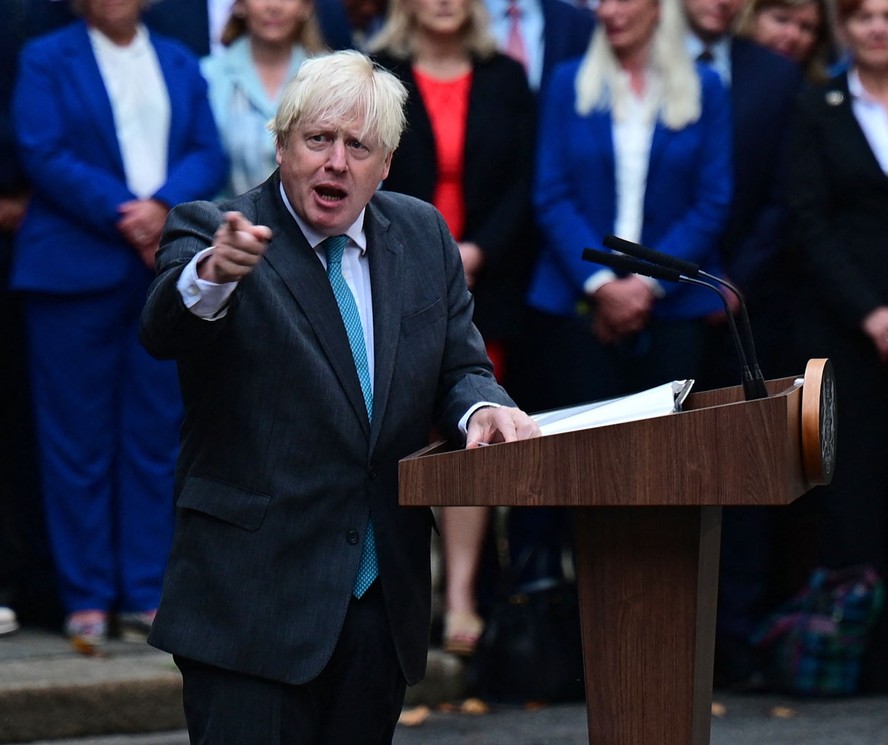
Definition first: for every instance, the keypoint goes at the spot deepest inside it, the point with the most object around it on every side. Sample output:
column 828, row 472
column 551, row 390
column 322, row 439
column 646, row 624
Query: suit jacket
column 185, row 20
column 686, row 199
column 69, row 241
column 496, row 178
column 567, row 31
column 838, row 195
column 280, row 468
column 764, row 87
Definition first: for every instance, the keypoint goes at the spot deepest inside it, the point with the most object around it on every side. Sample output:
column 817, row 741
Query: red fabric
column 447, row 103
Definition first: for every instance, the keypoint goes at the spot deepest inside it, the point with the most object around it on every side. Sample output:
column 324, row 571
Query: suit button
column 352, row 537
column 372, row 474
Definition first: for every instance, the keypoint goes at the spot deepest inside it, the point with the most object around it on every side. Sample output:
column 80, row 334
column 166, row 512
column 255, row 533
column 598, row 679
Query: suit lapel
column 87, row 79
column 837, row 101
column 386, row 278
column 296, row 263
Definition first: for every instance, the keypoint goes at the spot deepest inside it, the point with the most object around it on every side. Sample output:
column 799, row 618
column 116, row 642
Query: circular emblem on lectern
column 819, row 422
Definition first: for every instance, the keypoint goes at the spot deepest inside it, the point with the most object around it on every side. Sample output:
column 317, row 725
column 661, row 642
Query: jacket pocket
column 232, row 504
column 422, row 318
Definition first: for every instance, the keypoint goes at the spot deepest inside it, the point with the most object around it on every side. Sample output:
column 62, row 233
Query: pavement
column 52, row 695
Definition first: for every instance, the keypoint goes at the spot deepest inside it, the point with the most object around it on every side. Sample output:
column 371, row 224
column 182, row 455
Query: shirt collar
column 137, row 45
column 355, row 232
column 721, row 53
column 855, row 87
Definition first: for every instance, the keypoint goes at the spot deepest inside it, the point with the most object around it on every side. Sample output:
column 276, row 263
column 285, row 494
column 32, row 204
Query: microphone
column 690, row 269
column 753, row 387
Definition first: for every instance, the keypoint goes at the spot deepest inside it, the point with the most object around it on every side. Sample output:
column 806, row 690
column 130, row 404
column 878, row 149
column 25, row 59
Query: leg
column 463, row 532
column 73, row 361
column 356, row 700
column 150, row 415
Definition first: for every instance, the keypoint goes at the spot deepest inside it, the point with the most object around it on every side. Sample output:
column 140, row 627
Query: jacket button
column 352, row 537
column 372, row 473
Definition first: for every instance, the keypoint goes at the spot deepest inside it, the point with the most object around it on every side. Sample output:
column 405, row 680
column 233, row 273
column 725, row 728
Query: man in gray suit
column 297, row 597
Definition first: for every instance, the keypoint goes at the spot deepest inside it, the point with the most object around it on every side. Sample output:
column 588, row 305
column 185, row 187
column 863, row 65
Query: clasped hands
column 622, row 307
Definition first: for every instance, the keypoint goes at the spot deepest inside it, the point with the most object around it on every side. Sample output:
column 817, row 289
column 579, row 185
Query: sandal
column 87, row 631
column 462, row 630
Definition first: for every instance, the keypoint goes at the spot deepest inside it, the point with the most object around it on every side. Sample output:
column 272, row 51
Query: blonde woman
column 265, row 42
column 635, row 140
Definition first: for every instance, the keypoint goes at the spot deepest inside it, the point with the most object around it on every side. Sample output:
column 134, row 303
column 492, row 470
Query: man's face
column 711, row 19
column 329, row 175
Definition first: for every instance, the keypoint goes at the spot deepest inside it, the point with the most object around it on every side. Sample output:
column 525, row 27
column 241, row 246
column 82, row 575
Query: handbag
column 819, row 637
column 531, row 647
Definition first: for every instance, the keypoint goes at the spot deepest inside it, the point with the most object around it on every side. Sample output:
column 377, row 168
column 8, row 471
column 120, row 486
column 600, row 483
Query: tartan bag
column 818, row 638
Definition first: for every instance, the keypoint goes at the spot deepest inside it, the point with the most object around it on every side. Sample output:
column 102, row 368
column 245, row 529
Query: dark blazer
column 839, row 197
column 497, row 177
column 185, row 20
column 567, row 31
column 70, row 241
column 764, row 86
column 280, row 469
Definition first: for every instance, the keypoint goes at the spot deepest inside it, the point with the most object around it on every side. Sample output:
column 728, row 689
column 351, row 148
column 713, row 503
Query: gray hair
column 599, row 84
column 343, row 87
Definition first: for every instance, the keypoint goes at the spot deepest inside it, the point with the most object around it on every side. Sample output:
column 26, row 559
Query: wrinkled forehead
column 352, row 123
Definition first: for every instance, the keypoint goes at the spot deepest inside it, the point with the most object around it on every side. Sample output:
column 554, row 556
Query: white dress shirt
column 531, row 28
column 141, row 106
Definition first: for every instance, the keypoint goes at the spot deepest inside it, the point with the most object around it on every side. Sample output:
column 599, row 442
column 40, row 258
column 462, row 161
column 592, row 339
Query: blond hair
column 398, row 35
column 600, row 85
column 343, row 87
column 307, row 34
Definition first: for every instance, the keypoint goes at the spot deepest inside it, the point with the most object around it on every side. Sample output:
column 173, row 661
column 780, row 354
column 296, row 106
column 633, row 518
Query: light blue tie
column 334, row 246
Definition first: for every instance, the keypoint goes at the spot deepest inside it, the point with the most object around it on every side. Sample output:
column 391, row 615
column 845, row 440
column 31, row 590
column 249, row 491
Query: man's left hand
column 499, row 424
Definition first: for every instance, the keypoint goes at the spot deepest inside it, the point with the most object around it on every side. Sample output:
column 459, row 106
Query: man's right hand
column 238, row 246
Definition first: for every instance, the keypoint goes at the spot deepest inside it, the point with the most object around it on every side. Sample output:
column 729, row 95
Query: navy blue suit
column 566, row 34
column 106, row 412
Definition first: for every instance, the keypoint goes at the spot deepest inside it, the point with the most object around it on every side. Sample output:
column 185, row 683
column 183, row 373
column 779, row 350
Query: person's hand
column 499, row 424
column 472, row 260
column 622, row 307
column 875, row 326
column 238, row 245
column 12, row 210
column 141, row 223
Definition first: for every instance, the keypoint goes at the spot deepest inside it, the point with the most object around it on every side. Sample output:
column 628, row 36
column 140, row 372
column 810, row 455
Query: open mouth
column 330, row 194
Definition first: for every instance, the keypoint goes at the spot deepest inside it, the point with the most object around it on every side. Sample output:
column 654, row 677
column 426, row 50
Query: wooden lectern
column 647, row 497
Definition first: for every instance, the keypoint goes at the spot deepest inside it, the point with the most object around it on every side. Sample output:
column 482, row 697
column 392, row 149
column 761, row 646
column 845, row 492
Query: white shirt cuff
column 205, row 299
column 594, row 283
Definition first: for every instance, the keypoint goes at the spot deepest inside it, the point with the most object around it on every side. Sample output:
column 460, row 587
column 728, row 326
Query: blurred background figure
column 633, row 140
column 265, row 42
column 468, row 149
column 753, row 250
column 540, row 34
column 838, row 194
column 798, row 29
column 350, row 24
column 114, row 127
column 27, row 588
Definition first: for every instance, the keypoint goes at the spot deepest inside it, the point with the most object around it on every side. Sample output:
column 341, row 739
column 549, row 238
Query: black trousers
column 356, row 700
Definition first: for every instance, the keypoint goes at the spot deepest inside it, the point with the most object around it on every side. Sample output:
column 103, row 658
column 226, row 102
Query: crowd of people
column 747, row 136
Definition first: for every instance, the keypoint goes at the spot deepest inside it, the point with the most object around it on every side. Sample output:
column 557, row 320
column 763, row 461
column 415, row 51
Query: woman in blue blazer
column 634, row 140
column 114, row 128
